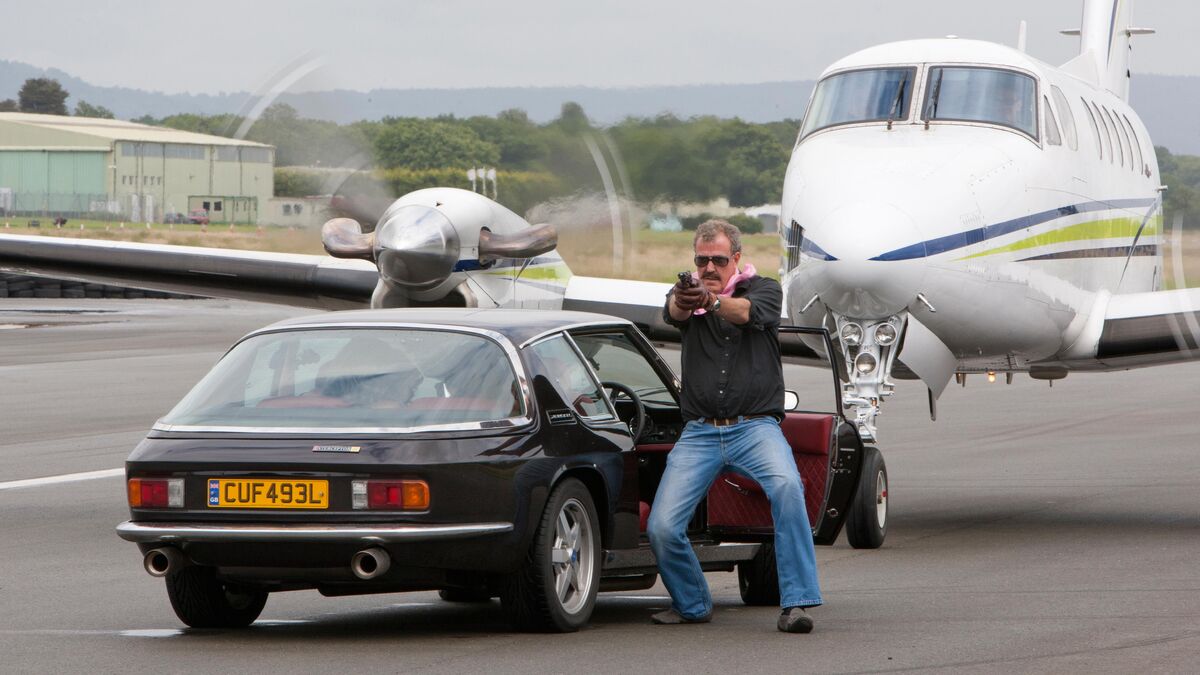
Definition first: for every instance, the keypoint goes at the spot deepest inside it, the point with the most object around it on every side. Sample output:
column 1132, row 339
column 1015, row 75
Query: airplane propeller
column 527, row 243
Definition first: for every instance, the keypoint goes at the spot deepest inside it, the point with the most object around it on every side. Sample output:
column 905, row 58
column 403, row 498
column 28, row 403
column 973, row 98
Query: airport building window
column 991, row 95
column 184, row 152
column 874, row 95
column 1052, row 135
column 1095, row 129
column 256, row 155
column 1066, row 116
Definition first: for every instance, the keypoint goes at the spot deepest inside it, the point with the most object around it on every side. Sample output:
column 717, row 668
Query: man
column 732, row 404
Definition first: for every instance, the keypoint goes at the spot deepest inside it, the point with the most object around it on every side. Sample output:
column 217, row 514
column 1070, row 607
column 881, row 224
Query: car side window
column 558, row 361
column 615, row 358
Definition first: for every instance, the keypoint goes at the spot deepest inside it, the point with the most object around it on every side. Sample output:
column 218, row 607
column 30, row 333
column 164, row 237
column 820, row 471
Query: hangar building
column 85, row 167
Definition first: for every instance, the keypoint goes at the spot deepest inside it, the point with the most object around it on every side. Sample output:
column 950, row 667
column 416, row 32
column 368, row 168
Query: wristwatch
column 716, row 305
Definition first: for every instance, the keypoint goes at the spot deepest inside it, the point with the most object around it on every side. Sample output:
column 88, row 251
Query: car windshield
column 873, row 95
column 982, row 95
column 355, row 379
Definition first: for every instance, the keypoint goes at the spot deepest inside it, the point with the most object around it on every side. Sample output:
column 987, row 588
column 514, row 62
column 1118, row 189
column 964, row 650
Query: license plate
column 267, row 493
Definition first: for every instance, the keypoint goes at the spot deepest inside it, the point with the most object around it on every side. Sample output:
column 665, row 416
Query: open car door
column 830, row 458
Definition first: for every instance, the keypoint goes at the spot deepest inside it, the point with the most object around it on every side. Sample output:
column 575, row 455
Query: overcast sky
column 222, row 45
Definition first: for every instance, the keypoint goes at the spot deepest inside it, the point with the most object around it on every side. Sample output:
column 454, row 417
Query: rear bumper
column 181, row 533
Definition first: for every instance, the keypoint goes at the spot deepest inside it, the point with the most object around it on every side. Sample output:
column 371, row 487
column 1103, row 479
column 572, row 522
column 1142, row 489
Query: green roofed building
column 80, row 167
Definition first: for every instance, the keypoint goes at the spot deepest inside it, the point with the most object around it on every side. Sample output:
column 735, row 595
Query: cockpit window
column 354, row 378
column 989, row 95
column 874, row 95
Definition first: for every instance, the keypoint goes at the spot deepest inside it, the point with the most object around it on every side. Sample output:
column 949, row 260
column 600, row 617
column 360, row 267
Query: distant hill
column 1166, row 103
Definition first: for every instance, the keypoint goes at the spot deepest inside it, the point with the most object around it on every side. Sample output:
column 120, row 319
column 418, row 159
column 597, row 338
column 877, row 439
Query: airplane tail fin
column 1105, row 37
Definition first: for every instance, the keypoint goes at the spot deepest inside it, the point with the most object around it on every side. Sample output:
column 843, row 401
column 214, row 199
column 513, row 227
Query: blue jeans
column 757, row 448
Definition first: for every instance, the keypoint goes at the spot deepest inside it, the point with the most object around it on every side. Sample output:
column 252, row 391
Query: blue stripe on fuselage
column 809, row 248
column 474, row 265
column 931, row 247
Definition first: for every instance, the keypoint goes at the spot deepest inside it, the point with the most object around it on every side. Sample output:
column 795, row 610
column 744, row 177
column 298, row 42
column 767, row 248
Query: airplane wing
column 317, row 281
column 1145, row 329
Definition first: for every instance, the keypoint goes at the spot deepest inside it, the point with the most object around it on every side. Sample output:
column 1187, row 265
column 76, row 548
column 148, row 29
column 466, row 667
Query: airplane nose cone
column 416, row 247
column 853, row 281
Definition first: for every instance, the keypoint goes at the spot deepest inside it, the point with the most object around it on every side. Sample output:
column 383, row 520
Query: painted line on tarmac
column 64, row 478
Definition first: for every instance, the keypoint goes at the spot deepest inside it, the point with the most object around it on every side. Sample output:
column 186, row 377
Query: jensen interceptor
column 499, row 453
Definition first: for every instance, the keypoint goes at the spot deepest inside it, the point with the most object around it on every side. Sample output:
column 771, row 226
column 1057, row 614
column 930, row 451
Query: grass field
column 649, row 256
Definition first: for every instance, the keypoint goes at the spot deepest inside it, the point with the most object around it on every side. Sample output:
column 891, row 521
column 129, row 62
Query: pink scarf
column 747, row 272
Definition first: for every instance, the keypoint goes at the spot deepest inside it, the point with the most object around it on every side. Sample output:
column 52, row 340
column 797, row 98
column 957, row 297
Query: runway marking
column 151, row 632
column 63, row 478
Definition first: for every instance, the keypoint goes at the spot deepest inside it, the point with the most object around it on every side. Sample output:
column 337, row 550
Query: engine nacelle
column 427, row 241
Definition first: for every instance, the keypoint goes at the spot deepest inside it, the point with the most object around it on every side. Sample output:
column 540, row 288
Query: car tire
column 202, row 601
column 465, row 595
column 555, row 589
column 866, row 523
column 758, row 578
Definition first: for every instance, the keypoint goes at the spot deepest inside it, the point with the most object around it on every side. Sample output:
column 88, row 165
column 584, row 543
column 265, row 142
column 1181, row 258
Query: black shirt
column 731, row 370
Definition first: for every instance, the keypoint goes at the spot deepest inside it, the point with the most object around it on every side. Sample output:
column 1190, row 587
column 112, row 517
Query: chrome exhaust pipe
column 162, row 561
column 370, row 563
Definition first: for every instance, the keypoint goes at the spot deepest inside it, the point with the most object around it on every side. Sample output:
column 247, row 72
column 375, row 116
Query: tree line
column 46, row 96
column 663, row 158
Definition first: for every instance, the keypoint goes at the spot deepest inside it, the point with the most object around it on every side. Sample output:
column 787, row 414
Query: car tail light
column 156, row 493
column 404, row 495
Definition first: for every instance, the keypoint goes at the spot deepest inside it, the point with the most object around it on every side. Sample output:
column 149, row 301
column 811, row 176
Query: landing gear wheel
column 866, row 524
column 202, row 601
column 555, row 589
column 638, row 424
column 465, row 595
column 758, row 578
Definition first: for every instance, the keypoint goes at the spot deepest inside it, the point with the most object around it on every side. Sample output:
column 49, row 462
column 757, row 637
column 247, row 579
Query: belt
column 730, row 421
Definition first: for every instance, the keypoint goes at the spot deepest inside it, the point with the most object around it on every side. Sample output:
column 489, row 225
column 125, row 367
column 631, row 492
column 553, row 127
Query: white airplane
column 951, row 206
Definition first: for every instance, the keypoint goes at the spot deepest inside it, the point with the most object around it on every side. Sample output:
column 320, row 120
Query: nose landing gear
column 869, row 350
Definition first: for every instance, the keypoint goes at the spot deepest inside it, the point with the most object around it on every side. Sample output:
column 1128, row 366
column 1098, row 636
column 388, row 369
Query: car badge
column 337, row 448
column 560, row 417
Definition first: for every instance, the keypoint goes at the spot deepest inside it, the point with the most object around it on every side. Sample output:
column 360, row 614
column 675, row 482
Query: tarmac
column 1032, row 529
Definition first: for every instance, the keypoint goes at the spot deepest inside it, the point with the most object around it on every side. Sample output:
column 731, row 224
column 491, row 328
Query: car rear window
column 339, row 379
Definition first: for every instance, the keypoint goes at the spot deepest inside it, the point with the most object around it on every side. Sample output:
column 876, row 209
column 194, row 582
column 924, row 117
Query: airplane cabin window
column 1107, row 117
column 873, row 95
column 1095, row 128
column 1137, row 146
column 1066, row 117
column 1052, row 135
column 1106, row 135
column 990, row 95
column 1125, row 144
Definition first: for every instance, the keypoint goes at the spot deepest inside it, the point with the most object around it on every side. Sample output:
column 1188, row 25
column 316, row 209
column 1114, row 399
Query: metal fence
column 16, row 206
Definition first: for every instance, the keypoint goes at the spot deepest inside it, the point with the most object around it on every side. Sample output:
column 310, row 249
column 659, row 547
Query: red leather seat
column 737, row 501
column 455, row 403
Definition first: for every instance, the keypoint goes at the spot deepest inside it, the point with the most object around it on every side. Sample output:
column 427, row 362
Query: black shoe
column 795, row 620
column 670, row 618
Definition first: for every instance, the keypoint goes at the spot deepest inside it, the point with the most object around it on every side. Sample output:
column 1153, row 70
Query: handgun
column 686, row 280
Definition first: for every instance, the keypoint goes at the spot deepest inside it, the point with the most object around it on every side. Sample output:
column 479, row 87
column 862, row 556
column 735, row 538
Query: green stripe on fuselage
column 1112, row 228
column 551, row 272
